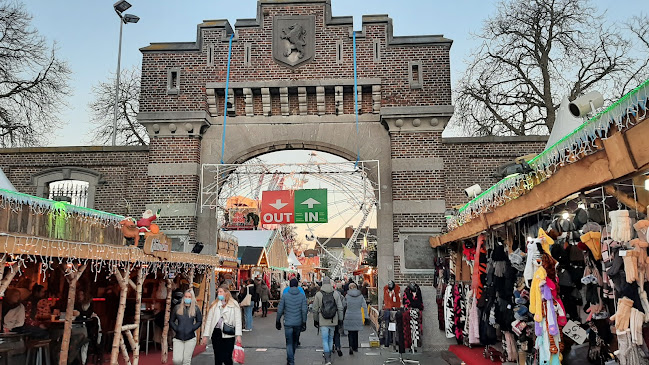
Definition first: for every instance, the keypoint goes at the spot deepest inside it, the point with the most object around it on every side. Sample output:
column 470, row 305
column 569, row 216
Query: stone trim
column 418, row 164
column 418, row 206
column 174, row 209
column 495, row 139
column 298, row 119
column 416, row 118
column 174, row 169
column 294, row 83
column 171, row 124
column 73, row 149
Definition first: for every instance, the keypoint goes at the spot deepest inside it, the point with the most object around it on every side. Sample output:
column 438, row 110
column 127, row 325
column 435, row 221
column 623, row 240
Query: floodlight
column 130, row 18
column 121, row 6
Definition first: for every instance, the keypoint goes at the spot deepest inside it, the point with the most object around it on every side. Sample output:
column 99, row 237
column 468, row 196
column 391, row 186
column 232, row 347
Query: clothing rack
column 400, row 360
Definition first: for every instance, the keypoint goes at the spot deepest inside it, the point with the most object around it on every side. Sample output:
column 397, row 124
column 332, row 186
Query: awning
column 610, row 146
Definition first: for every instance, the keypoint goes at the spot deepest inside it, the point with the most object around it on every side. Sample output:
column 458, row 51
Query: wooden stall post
column 72, row 279
column 138, row 304
column 206, row 296
column 6, row 279
column 165, row 329
column 122, row 281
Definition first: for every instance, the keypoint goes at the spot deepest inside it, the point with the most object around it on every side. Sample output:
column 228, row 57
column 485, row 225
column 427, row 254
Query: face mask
column 188, row 300
column 221, row 297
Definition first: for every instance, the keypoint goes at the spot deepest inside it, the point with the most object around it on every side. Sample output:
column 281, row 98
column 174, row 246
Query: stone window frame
column 210, row 55
column 247, row 54
column 173, row 89
column 376, row 50
column 43, row 179
column 420, row 74
column 339, row 51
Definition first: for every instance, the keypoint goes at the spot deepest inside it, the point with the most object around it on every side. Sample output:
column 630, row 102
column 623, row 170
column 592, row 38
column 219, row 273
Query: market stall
column 556, row 257
column 43, row 238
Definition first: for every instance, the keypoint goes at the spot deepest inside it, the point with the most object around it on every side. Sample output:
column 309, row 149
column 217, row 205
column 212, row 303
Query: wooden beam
column 72, row 279
column 6, row 280
column 165, row 329
column 138, row 312
column 625, row 199
column 120, row 315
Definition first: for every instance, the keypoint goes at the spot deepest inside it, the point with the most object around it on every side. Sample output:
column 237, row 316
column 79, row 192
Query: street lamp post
column 120, row 7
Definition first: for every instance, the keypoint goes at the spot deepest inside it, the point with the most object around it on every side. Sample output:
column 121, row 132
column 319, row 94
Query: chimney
column 349, row 231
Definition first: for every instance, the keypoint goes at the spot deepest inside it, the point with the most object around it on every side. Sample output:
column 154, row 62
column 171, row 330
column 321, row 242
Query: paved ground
column 266, row 345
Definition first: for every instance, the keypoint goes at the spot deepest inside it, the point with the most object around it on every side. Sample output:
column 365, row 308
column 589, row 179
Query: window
column 173, row 81
column 339, row 51
column 377, row 50
column 210, row 55
column 74, row 192
column 247, row 56
column 415, row 75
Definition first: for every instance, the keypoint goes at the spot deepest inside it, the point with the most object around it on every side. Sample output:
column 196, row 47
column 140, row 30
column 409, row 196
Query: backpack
column 329, row 306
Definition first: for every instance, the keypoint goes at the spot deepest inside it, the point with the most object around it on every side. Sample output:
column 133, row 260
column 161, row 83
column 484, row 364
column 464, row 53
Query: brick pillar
column 174, row 170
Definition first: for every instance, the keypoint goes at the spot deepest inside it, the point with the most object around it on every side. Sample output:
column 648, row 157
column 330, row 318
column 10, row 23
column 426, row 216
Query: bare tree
column 33, row 80
column 639, row 28
column 129, row 131
column 534, row 53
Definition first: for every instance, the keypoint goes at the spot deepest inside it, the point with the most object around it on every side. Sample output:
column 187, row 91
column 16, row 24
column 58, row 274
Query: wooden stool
column 37, row 347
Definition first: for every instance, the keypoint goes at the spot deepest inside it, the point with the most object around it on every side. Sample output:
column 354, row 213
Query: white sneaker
column 246, row 330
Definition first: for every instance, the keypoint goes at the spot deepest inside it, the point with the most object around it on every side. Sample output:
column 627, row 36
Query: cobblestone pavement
column 266, row 345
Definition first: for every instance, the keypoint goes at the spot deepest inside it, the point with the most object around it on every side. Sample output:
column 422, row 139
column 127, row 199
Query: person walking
column 186, row 318
column 264, row 296
column 293, row 308
column 246, row 304
column 223, row 326
column 327, row 313
column 356, row 309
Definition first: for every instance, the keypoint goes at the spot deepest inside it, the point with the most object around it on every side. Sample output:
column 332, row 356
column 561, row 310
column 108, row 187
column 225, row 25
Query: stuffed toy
column 144, row 223
column 130, row 229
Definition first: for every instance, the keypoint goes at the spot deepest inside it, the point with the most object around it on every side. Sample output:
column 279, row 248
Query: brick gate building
column 291, row 87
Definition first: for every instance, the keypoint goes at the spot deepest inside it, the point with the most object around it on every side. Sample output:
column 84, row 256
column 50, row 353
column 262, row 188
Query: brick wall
column 466, row 162
column 392, row 67
column 123, row 170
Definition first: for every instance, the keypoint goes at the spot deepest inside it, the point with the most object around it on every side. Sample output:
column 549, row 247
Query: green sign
column 311, row 206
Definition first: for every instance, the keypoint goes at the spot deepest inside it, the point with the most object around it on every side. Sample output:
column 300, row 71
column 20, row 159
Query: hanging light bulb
column 565, row 215
column 581, row 205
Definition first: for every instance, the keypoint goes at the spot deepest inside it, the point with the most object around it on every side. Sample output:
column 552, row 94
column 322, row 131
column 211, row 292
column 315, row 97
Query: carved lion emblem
column 295, row 34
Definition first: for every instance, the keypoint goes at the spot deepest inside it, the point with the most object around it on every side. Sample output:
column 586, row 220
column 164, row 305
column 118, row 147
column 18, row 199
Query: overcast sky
column 86, row 33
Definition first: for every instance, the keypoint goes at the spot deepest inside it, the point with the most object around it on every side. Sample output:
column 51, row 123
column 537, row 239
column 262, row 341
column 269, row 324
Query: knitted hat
column 547, row 241
column 593, row 241
column 581, row 217
column 591, row 227
column 293, row 283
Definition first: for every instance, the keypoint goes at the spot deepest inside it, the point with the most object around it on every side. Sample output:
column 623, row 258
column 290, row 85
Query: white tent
column 5, row 183
column 292, row 260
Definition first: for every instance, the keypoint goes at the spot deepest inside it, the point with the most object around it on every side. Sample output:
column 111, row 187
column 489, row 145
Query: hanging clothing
column 448, row 311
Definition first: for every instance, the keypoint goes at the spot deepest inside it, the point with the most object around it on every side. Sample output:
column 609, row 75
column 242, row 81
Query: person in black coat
column 185, row 319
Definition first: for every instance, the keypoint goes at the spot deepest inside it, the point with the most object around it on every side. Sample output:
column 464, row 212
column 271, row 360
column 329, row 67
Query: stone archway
column 245, row 141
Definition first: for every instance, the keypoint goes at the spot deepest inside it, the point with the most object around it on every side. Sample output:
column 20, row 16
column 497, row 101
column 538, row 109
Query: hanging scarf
column 479, row 274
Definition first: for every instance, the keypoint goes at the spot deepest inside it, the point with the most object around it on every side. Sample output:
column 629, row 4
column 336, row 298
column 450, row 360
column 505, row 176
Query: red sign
column 277, row 207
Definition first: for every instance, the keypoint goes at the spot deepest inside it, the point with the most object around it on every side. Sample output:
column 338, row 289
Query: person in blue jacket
column 293, row 308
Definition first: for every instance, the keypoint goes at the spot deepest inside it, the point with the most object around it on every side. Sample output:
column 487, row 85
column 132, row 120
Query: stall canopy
column 610, row 146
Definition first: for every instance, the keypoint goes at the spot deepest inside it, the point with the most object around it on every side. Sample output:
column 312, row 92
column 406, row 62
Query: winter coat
column 391, row 301
column 317, row 304
column 231, row 315
column 293, row 307
column 183, row 325
column 353, row 316
column 264, row 293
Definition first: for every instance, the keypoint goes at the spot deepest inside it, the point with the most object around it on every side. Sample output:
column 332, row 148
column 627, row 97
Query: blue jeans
column 248, row 312
column 291, row 334
column 327, row 333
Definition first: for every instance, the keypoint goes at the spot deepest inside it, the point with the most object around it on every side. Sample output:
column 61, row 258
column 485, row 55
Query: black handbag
column 228, row 329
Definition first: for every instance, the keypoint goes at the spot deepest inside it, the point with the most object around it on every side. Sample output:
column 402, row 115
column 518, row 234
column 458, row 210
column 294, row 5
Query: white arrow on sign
column 278, row 204
column 310, row 202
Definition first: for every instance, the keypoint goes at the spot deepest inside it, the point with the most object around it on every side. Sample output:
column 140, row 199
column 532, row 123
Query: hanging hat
column 593, row 241
column 581, row 218
column 546, row 242
column 591, row 227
